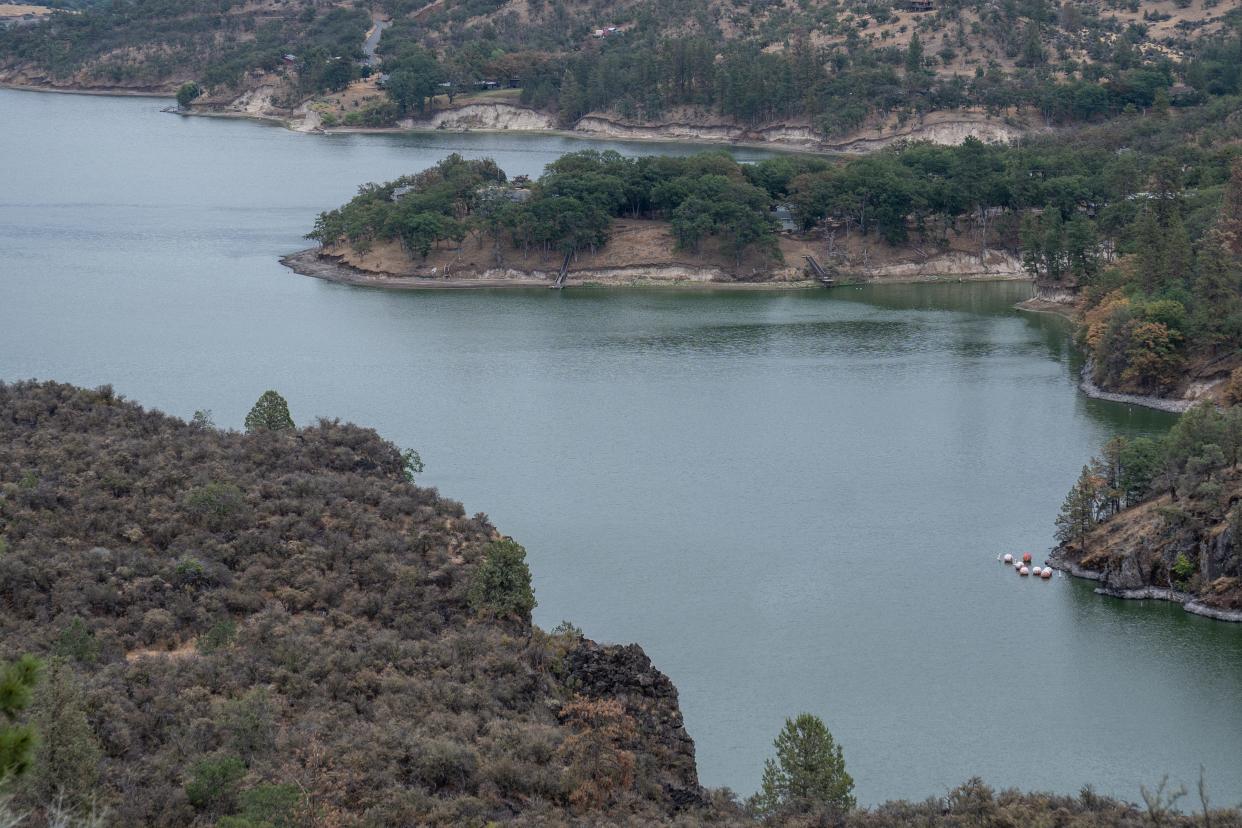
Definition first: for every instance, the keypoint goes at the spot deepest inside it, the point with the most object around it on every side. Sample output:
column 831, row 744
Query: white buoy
column 1036, row 571
column 1046, row 574
column 1024, row 571
column 1008, row 558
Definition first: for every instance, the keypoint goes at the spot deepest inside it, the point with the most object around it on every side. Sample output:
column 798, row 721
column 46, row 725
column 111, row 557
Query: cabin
column 784, row 216
column 399, row 193
column 920, row 5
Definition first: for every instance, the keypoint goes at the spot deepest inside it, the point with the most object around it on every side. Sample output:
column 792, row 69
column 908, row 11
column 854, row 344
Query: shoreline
column 571, row 134
column 1189, row 602
column 1170, row 405
column 856, row 146
column 329, row 268
column 104, row 93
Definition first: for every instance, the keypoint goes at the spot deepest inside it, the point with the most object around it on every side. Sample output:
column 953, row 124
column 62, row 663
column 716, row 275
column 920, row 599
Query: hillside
column 283, row 616
column 827, row 71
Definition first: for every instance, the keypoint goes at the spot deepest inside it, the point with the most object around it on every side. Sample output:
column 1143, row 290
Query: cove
column 793, row 501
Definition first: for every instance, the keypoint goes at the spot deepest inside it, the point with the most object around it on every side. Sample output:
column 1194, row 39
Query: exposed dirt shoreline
column 1170, row 404
column 332, row 269
column 1173, row 405
column 154, row 92
column 944, row 127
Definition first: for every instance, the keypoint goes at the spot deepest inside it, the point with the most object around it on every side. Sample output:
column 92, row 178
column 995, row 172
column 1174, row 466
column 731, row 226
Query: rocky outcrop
column 484, row 116
column 626, row 674
column 953, row 265
column 1136, row 554
column 707, row 127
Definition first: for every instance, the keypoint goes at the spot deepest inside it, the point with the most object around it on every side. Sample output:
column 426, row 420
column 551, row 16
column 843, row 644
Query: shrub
column 215, row 506
column 598, row 765
column 247, row 725
column 272, row 806
column 501, row 585
column 77, row 641
column 1183, row 568
column 443, row 765
column 218, row 637
column 214, row 782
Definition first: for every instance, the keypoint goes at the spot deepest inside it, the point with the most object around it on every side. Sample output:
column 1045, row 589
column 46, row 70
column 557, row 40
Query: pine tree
column 1080, row 509
column 66, row 762
column 1229, row 220
column 501, row 584
column 1217, row 291
column 17, row 742
column 270, row 413
column 1149, row 250
column 1177, row 253
column 914, row 55
column 808, row 773
column 570, row 99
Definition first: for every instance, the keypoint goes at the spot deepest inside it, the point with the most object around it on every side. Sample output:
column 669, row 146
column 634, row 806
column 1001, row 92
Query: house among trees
column 920, row 5
column 784, row 216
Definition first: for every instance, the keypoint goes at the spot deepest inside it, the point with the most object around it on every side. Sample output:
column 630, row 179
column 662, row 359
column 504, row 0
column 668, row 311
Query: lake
column 793, row 501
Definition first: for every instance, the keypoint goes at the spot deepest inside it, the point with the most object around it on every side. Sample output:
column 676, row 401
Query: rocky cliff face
column 1168, row 550
column 626, row 673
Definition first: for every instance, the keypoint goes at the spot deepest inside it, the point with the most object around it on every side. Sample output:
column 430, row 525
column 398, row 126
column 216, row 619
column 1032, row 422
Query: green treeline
column 218, row 39
column 653, row 65
column 570, row 208
column 822, row 63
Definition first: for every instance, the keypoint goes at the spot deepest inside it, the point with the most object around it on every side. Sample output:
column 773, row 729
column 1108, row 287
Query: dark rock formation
column 626, row 673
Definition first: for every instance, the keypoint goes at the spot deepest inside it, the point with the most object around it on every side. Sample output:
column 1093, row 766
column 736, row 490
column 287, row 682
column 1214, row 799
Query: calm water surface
column 793, row 501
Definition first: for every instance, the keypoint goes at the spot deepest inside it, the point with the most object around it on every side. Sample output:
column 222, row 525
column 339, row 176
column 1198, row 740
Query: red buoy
column 1026, row 557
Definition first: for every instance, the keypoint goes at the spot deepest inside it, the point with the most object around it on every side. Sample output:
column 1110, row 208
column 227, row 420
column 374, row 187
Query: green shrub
column 218, row 637
column 214, row 782
column 216, row 505
column 501, row 585
column 1183, row 568
column 271, row 806
column 77, row 641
